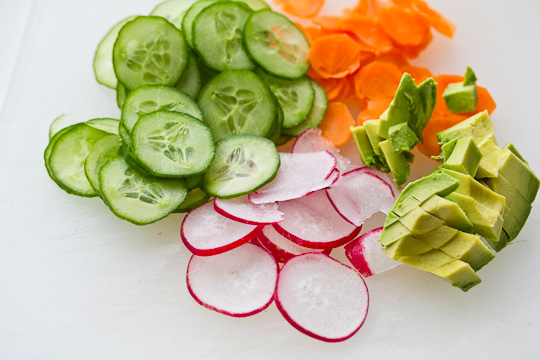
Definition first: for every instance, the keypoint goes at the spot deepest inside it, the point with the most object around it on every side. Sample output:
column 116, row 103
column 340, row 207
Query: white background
column 78, row 283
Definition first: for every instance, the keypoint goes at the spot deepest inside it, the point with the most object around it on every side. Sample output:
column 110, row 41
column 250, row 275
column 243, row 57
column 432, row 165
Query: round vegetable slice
column 190, row 16
column 242, row 210
column 149, row 50
column 238, row 102
column 238, row 283
column 171, row 144
column 103, row 58
column 191, row 81
column 254, row 4
column 60, row 123
column 194, row 199
column 217, row 36
column 105, row 149
column 316, row 115
column 173, row 10
column 321, row 297
column 223, row 234
column 276, row 44
column 137, row 199
column 121, row 93
column 110, row 126
column 243, row 164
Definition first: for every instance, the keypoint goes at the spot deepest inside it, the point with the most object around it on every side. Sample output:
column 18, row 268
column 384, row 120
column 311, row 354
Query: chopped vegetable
column 301, row 8
column 335, row 56
column 336, row 123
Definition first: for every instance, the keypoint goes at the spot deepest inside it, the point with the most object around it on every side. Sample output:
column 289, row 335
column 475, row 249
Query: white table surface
column 78, row 283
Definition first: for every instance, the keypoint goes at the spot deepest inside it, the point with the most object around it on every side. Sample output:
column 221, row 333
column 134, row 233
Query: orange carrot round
column 377, row 79
column 336, row 124
column 435, row 19
column 334, row 56
column 403, row 26
column 301, row 8
column 374, row 109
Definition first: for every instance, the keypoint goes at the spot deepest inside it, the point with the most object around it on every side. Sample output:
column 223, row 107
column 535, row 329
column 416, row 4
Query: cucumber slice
column 193, row 182
column 254, row 4
column 276, row 44
column 67, row 158
column 191, row 81
column 149, row 50
column 105, row 149
column 295, row 97
column 189, row 18
column 171, row 144
column 135, row 198
column 121, row 93
column 243, row 164
column 60, row 123
column 173, row 10
column 238, row 102
column 194, row 199
column 150, row 98
column 217, row 36
column 105, row 124
column 276, row 135
column 316, row 115
column 48, row 150
column 103, row 58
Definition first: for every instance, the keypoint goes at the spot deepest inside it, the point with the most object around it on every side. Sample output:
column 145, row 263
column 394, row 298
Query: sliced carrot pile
column 301, row 8
column 337, row 122
column 335, row 56
column 403, row 25
column 377, row 79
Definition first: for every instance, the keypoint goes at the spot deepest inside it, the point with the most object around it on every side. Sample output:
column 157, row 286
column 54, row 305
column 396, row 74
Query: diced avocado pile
column 462, row 97
column 478, row 190
column 385, row 143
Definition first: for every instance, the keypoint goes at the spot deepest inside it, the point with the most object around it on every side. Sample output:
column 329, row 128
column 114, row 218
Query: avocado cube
column 372, row 128
column 393, row 233
column 449, row 212
column 514, row 200
column 438, row 237
column 448, row 148
column 486, row 222
column 491, row 156
column 391, row 218
column 427, row 261
column 464, row 158
column 478, row 127
column 513, row 223
column 419, row 221
column 520, row 175
column 460, row 98
column 367, row 154
column 402, row 137
column 405, row 206
column 396, row 162
column 407, row 246
column 468, row 248
column 459, row 274
column 504, row 239
column 513, row 149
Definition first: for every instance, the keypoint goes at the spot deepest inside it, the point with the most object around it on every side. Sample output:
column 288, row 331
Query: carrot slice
column 369, row 7
column 419, row 74
column 301, row 8
column 334, row 56
column 412, row 52
column 375, row 108
column 333, row 87
column 435, row 19
column 437, row 123
column 336, row 124
column 403, row 25
column 442, row 83
column 377, row 79
column 369, row 31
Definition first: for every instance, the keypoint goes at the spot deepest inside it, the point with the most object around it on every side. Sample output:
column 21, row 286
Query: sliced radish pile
column 365, row 253
column 321, row 297
column 298, row 175
column 313, row 222
column 312, row 140
column 205, row 232
column 242, row 210
column 283, row 249
column 238, row 283
column 359, row 194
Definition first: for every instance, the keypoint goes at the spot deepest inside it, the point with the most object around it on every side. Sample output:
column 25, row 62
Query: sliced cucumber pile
column 207, row 90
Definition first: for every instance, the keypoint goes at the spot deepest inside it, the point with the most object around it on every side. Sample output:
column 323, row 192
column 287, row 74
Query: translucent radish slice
column 359, row 194
column 282, row 248
column 312, row 140
column 205, row 232
column 238, row 283
column 332, row 179
column 242, row 210
column 321, row 297
column 365, row 253
column 313, row 222
column 298, row 175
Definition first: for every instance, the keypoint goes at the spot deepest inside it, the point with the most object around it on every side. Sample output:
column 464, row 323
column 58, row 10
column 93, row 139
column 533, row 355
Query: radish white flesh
column 242, row 210
column 365, row 253
column 283, row 249
column 313, row 222
column 330, row 181
column 298, row 175
column 205, row 232
column 359, row 194
column 311, row 140
column 321, row 297
column 238, row 283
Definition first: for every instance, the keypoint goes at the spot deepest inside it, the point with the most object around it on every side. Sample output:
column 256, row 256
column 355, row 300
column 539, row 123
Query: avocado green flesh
column 470, row 249
column 478, row 127
column 397, row 163
column 402, row 137
column 465, row 157
column 491, row 155
column 449, row 212
column 459, row 274
column 460, row 98
column 367, row 153
column 519, row 174
column 372, row 129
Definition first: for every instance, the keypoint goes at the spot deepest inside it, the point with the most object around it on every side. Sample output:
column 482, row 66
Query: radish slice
column 298, row 175
column 205, row 232
column 332, row 179
column 311, row 140
column 282, row 248
column 359, row 194
column 313, row 222
column 242, row 210
column 321, row 297
column 238, row 283
column 366, row 255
